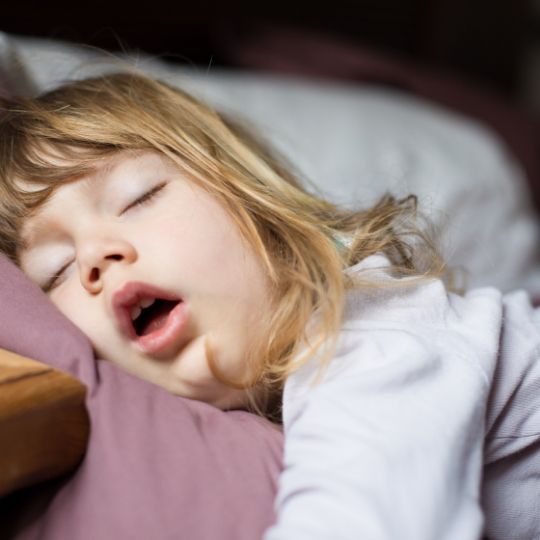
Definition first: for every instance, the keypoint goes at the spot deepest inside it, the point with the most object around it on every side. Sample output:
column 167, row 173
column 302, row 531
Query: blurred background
column 494, row 44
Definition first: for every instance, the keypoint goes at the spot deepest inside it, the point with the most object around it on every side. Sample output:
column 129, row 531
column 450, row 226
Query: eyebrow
column 93, row 182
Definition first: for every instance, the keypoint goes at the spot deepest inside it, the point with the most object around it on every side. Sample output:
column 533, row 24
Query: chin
column 236, row 400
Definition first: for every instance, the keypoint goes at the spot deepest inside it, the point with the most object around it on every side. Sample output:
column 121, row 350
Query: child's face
column 181, row 241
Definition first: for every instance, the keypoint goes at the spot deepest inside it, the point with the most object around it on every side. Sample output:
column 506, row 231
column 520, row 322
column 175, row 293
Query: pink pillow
column 157, row 466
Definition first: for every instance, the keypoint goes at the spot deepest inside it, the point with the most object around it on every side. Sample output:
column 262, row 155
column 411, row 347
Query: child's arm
column 389, row 451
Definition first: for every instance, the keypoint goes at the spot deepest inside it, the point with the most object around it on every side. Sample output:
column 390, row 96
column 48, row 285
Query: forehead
column 90, row 186
column 99, row 169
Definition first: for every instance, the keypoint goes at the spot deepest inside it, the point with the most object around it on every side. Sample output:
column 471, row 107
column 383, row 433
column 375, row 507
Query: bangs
column 31, row 173
column 37, row 167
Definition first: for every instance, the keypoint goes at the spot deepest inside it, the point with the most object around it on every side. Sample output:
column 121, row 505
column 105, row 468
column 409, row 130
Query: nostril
column 94, row 275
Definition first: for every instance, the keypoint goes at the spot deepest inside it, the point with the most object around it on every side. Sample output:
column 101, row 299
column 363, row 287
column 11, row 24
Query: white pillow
column 13, row 74
column 355, row 142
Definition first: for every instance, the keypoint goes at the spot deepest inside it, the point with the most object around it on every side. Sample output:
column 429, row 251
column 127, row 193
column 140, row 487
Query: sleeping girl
column 190, row 256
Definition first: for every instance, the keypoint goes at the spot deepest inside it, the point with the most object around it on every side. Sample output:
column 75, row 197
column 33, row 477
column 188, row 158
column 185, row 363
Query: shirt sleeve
column 388, row 446
column 510, row 484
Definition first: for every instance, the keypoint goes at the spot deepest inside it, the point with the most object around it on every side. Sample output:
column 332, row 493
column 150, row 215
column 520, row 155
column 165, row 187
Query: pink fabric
column 308, row 53
column 157, row 466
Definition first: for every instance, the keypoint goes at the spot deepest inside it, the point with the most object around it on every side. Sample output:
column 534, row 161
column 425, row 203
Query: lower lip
column 169, row 335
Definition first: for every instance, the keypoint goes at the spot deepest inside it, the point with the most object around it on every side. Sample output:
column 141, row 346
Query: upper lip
column 130, row 294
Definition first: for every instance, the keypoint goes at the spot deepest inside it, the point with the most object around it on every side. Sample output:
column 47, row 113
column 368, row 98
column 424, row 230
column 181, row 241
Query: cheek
column 204, row 248
column 75, row 309
column 197, row 244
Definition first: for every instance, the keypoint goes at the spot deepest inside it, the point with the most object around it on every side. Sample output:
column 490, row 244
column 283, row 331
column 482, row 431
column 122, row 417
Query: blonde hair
column 295, row 234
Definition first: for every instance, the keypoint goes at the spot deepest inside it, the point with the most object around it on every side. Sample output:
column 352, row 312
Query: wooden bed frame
column 44, row 425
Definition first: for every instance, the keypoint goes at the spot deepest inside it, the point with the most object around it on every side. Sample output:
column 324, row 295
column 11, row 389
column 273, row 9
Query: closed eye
column 53, row 281
column 145, row 198
column 140, row 201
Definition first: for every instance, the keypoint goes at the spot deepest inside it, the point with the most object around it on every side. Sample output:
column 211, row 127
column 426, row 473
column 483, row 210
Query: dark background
column 488, row 42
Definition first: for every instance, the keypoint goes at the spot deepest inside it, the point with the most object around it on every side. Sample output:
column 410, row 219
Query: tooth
column 147, row 302
column 135, row 312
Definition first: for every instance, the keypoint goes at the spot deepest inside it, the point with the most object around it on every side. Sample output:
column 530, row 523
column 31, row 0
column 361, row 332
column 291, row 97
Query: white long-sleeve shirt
column 426, row 425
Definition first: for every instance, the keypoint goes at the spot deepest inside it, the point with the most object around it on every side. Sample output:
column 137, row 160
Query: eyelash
column 141, row 201
column 49, row 285
column 145, row 198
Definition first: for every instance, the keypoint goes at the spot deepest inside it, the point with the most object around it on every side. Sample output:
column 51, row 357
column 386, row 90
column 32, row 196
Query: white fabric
column 13, row 76
column 354, row 142
column 390, row 445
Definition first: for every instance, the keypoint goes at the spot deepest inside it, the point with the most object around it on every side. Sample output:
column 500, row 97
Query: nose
column 97, row 255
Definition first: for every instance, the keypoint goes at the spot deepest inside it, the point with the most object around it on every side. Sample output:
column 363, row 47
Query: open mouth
column 153, row 317
column 156, row 321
